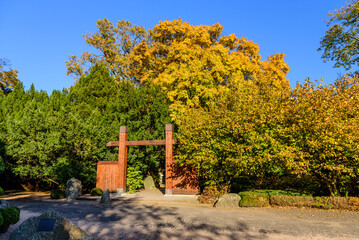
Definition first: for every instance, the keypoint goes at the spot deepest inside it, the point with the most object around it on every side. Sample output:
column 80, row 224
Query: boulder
column 230, row 200
column 73, row 188
column 4, row 203
column 48, row 226
column 149, row 183
column 105, row 198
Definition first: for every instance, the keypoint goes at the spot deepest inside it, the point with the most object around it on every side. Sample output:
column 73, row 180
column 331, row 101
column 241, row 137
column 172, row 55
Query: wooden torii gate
column 112, row 174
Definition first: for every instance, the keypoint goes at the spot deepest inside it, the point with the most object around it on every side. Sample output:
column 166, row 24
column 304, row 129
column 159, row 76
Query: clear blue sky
column 37, row 36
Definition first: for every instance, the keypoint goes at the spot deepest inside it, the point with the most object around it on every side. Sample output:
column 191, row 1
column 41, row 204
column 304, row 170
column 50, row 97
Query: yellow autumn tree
column 113, row 44
column 8, row 76
column 195, row 64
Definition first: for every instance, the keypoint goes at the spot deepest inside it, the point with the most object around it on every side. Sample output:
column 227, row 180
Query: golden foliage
column 113, row 44
column 8, row 78
column 194, row 65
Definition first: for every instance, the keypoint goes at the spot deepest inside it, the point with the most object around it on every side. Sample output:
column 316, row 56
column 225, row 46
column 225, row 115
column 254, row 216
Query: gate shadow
column 130, row 220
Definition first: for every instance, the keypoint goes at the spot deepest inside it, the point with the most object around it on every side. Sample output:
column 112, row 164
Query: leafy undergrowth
column 263, row 198
column 211, row 194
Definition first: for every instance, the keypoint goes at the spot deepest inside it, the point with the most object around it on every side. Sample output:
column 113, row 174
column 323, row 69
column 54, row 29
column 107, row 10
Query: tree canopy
column 196, row 64
column 113, row 45
column 341, row 41
column 8, row 76
column 49, row 139
column 192, row 64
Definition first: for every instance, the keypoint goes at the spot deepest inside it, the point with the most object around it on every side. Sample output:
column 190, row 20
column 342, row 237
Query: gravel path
column 176, row 220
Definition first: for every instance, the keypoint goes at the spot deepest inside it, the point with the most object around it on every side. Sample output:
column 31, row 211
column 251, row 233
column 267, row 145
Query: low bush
column 1, row 219
column 1, row 191
column 283, row 193
column 345, row 203
column 10, row 215
column 96, row 191
column 354, row 201
column 211, row 194
column 254, row 199
column 294, row 201
column 57, row 194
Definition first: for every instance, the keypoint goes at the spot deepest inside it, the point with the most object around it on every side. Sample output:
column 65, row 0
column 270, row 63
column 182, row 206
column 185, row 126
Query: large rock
column 4, row 203
column 52, row 227
column 73, row 188
column 149, row 183
column 105, row 198
column 230, row 200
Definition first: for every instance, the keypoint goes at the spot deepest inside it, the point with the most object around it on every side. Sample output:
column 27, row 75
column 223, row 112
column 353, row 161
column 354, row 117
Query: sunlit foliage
column 341, row 40
column 8, row 76
column 307, row 139
column 196, row 64
column 113, row 45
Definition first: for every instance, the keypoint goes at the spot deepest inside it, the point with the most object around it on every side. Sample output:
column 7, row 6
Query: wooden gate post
column 169, row 159
column 122, row 158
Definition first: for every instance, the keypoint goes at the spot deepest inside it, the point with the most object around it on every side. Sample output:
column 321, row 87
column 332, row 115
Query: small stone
column 149, row 183
column 105, row 198
column 73, row 188
column 230, row 200
column 4, row 203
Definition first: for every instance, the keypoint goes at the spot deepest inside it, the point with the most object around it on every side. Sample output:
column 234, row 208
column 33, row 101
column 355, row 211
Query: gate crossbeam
column 140, row 143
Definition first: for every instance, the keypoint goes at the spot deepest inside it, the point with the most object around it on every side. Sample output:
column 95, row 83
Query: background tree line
column 45, row 140
column 238, row 120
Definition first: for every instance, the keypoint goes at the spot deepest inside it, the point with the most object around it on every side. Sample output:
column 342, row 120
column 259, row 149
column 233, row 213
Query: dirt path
column 176, row 220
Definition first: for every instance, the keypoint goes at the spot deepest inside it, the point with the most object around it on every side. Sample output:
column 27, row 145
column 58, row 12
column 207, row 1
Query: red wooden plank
column 107, row 175
column 140, row 143
column 145, row 143
column 107, row 163
column 112, row 144
column 169, row 158
column 122, row 158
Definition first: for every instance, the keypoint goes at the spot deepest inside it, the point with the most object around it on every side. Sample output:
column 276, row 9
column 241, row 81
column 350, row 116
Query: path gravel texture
column 176, row 219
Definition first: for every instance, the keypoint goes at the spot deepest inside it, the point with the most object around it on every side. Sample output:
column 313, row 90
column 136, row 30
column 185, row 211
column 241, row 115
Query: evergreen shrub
column 2, row 165
column 10, row 215
column 211, row 194
column 254, row 199
column 134, row 179
column 57, row 194
column 96, row 191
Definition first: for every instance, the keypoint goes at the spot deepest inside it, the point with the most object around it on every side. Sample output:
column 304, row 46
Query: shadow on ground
column 129, row 220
